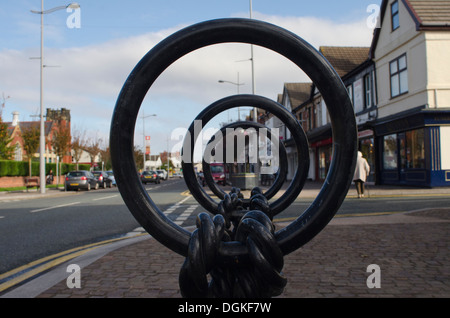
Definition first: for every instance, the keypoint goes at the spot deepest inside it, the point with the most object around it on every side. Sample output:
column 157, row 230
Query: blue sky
column 92, row 62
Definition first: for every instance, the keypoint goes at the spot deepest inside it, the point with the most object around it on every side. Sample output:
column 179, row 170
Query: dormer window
column 394, row 16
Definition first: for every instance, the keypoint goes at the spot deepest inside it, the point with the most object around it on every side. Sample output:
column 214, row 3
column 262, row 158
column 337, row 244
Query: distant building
column 55, row 120
column 153, row 163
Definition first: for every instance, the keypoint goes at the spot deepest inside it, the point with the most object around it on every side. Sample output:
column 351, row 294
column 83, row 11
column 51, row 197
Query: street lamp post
column 237, row 84
column 42, row 180
column 143, row 133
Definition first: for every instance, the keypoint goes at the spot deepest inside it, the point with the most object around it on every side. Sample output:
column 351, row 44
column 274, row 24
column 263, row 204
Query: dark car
column 103, row 179
column 111, row 176
column 81, row 179
column 150, row 176
column 201, row 178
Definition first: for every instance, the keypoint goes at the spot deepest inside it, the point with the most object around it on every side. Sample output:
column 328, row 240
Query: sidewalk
column 411, row 249
column 33, row 194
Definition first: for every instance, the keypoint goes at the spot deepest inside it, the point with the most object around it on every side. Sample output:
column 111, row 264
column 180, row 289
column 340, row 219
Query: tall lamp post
column 74, row 5
column 237, row 84
column 143, row 133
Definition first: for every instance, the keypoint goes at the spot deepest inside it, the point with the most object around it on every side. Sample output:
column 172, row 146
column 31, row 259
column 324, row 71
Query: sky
column 89, row 53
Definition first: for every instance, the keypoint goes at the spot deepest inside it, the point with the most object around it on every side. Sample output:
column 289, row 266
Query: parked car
column 81, row 179
column 162, row 174
column 201, row 178
column 103, row 179
column 150, row 176
column 218, row 173
column 111, row 176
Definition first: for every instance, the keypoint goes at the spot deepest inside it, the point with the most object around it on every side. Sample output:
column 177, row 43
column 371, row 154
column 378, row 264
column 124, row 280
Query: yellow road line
column 12, row 282
column 51, row 261
column 343, row 215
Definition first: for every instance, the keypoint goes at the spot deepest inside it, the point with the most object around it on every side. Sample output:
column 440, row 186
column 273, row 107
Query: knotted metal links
column 259, row 276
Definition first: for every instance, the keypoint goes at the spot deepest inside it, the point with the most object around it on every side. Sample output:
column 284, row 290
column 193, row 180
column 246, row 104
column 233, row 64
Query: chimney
column 15, row 120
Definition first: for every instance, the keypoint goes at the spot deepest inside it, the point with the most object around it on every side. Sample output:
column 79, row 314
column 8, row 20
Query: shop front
column 366, row 145
column 324, row 152
column 414, row 149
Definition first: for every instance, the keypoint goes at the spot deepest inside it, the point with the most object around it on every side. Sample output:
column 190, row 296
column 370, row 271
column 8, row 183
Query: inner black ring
column 269, row 105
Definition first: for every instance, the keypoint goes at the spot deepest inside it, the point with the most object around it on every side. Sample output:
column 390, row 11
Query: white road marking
column 54, row 207
column 104, row 198
column 183, row 217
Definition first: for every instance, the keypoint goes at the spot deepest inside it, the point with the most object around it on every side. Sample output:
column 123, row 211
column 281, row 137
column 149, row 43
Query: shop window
column 390, row 152
column 395, row 20
column 368, row 151
column 399, row 76
column 325, row 154
column 409, row 145
column 415, row 149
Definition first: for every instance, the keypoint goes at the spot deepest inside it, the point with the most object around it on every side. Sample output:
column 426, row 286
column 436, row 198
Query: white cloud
column 89, row 79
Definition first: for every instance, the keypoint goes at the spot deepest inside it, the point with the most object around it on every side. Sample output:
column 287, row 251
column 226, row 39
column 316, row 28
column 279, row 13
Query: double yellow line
column 22, row 273
column 279, row 220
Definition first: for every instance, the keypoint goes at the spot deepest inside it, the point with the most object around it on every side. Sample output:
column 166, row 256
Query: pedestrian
column 50, row 177
column 362, row 170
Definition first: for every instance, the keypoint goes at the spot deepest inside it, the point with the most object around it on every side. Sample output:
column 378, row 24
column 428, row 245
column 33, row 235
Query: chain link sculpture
column 235, row 242
column 260, row 276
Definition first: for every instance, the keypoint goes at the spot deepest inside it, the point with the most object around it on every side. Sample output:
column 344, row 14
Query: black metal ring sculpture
column 269, row 36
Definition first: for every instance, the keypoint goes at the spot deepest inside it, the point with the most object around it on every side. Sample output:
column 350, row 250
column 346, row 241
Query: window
column 390, row 152
column 309, row 119
column 368, row 100
column 350, row 92
column 394, row 16
column 18, row 153
column 318, row 113
column 408, row 147
column 399, row 76
column 415, row 149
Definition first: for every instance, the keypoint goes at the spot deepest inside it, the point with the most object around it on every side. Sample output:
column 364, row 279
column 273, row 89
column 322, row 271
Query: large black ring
column 286, row 43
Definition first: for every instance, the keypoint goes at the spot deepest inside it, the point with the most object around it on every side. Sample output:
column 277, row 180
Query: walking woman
column 362, row 170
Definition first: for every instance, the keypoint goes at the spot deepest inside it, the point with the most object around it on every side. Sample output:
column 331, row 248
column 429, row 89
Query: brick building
column 56, row 121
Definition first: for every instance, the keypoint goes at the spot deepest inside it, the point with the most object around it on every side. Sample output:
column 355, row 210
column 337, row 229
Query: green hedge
column 10, row 168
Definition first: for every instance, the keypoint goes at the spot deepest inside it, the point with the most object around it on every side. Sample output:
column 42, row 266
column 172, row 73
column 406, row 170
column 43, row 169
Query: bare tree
column 78, row 145
column 93, row 148
column 6, row 151
column 138, row 156
column 61, row 141
column 105, row 154
column 30, row 137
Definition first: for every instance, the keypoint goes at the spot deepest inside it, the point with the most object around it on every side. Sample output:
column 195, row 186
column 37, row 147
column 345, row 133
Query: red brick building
column 55, row 121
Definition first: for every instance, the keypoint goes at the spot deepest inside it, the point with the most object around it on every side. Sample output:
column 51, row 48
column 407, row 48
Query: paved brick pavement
column 411, row 249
